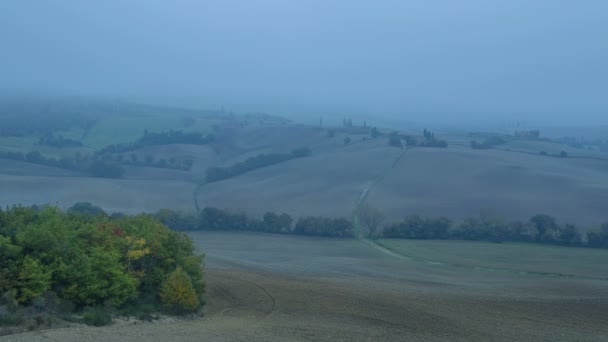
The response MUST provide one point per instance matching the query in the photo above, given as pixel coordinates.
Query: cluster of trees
(40, 124)
(429, 140)
(487, 143)
(226, 220)
(58, 141)
(215, 174)
(150, 161)
(539, 229)
(324, 226)
(562, 154)
(56, 260)
(162, 138)
(394, 139)
(78, 163)
(107, 162)
(583, 143)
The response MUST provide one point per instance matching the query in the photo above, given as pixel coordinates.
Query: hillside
(509, 181)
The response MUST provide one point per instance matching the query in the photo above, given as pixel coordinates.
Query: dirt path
(359, 233)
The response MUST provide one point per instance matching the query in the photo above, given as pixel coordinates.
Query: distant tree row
(215, 174)
(58, 141)
(225, 220)
(162, 138)
(539, 229)
(487, 143)
(148, 160)
(429, 140)
(16, 124)
(324, 226)
(89, 166)
(561, 154)
(107, 162)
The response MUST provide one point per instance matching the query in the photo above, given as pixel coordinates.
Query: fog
(443, 61)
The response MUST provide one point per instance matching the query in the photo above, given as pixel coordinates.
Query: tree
(34, 280)
(394, 140)
(372, 219)
(545, 226)
(86, 208)
(347, 140)
(274, 223)
(178, 294)
(374, 132)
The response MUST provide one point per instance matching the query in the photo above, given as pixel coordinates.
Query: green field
(106, 131)
(508, 257)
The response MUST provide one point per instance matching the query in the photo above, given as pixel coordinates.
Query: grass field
(512, 257)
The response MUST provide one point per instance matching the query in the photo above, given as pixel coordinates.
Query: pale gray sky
(423, 59)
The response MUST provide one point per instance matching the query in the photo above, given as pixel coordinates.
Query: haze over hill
(275, 170)
(465, 61)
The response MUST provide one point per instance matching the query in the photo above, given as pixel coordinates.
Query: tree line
(428, 139)
(66, 262)
(538, 229)
(58, 141)
(487, 143)
(214, 174)
(279, 223)
(161, 138)
(86, 164)
(108, 162)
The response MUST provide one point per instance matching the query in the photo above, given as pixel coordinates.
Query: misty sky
(421, 59)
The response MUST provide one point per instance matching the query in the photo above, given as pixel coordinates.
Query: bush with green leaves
(90, 261)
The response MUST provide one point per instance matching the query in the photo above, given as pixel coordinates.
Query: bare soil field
(458, 182)
(327, 183)
(282, 288)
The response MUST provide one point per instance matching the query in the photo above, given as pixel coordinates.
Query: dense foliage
(80, 261)
(219, 219)
(539, 229)
(162, 138)
(215, 174)
(487, 143)
(90, 166)
(323, 226)
(107, 163)
(58, 141)
(20, 122)
(429, 140)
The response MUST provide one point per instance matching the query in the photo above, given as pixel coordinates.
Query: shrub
(96, 316)
(178, 294)
(86, 208)
(322, 226)
(215, 174)
(394, 140)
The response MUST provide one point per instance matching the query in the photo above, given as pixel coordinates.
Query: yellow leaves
(137, 253)
(177, 293)
(136, 249)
